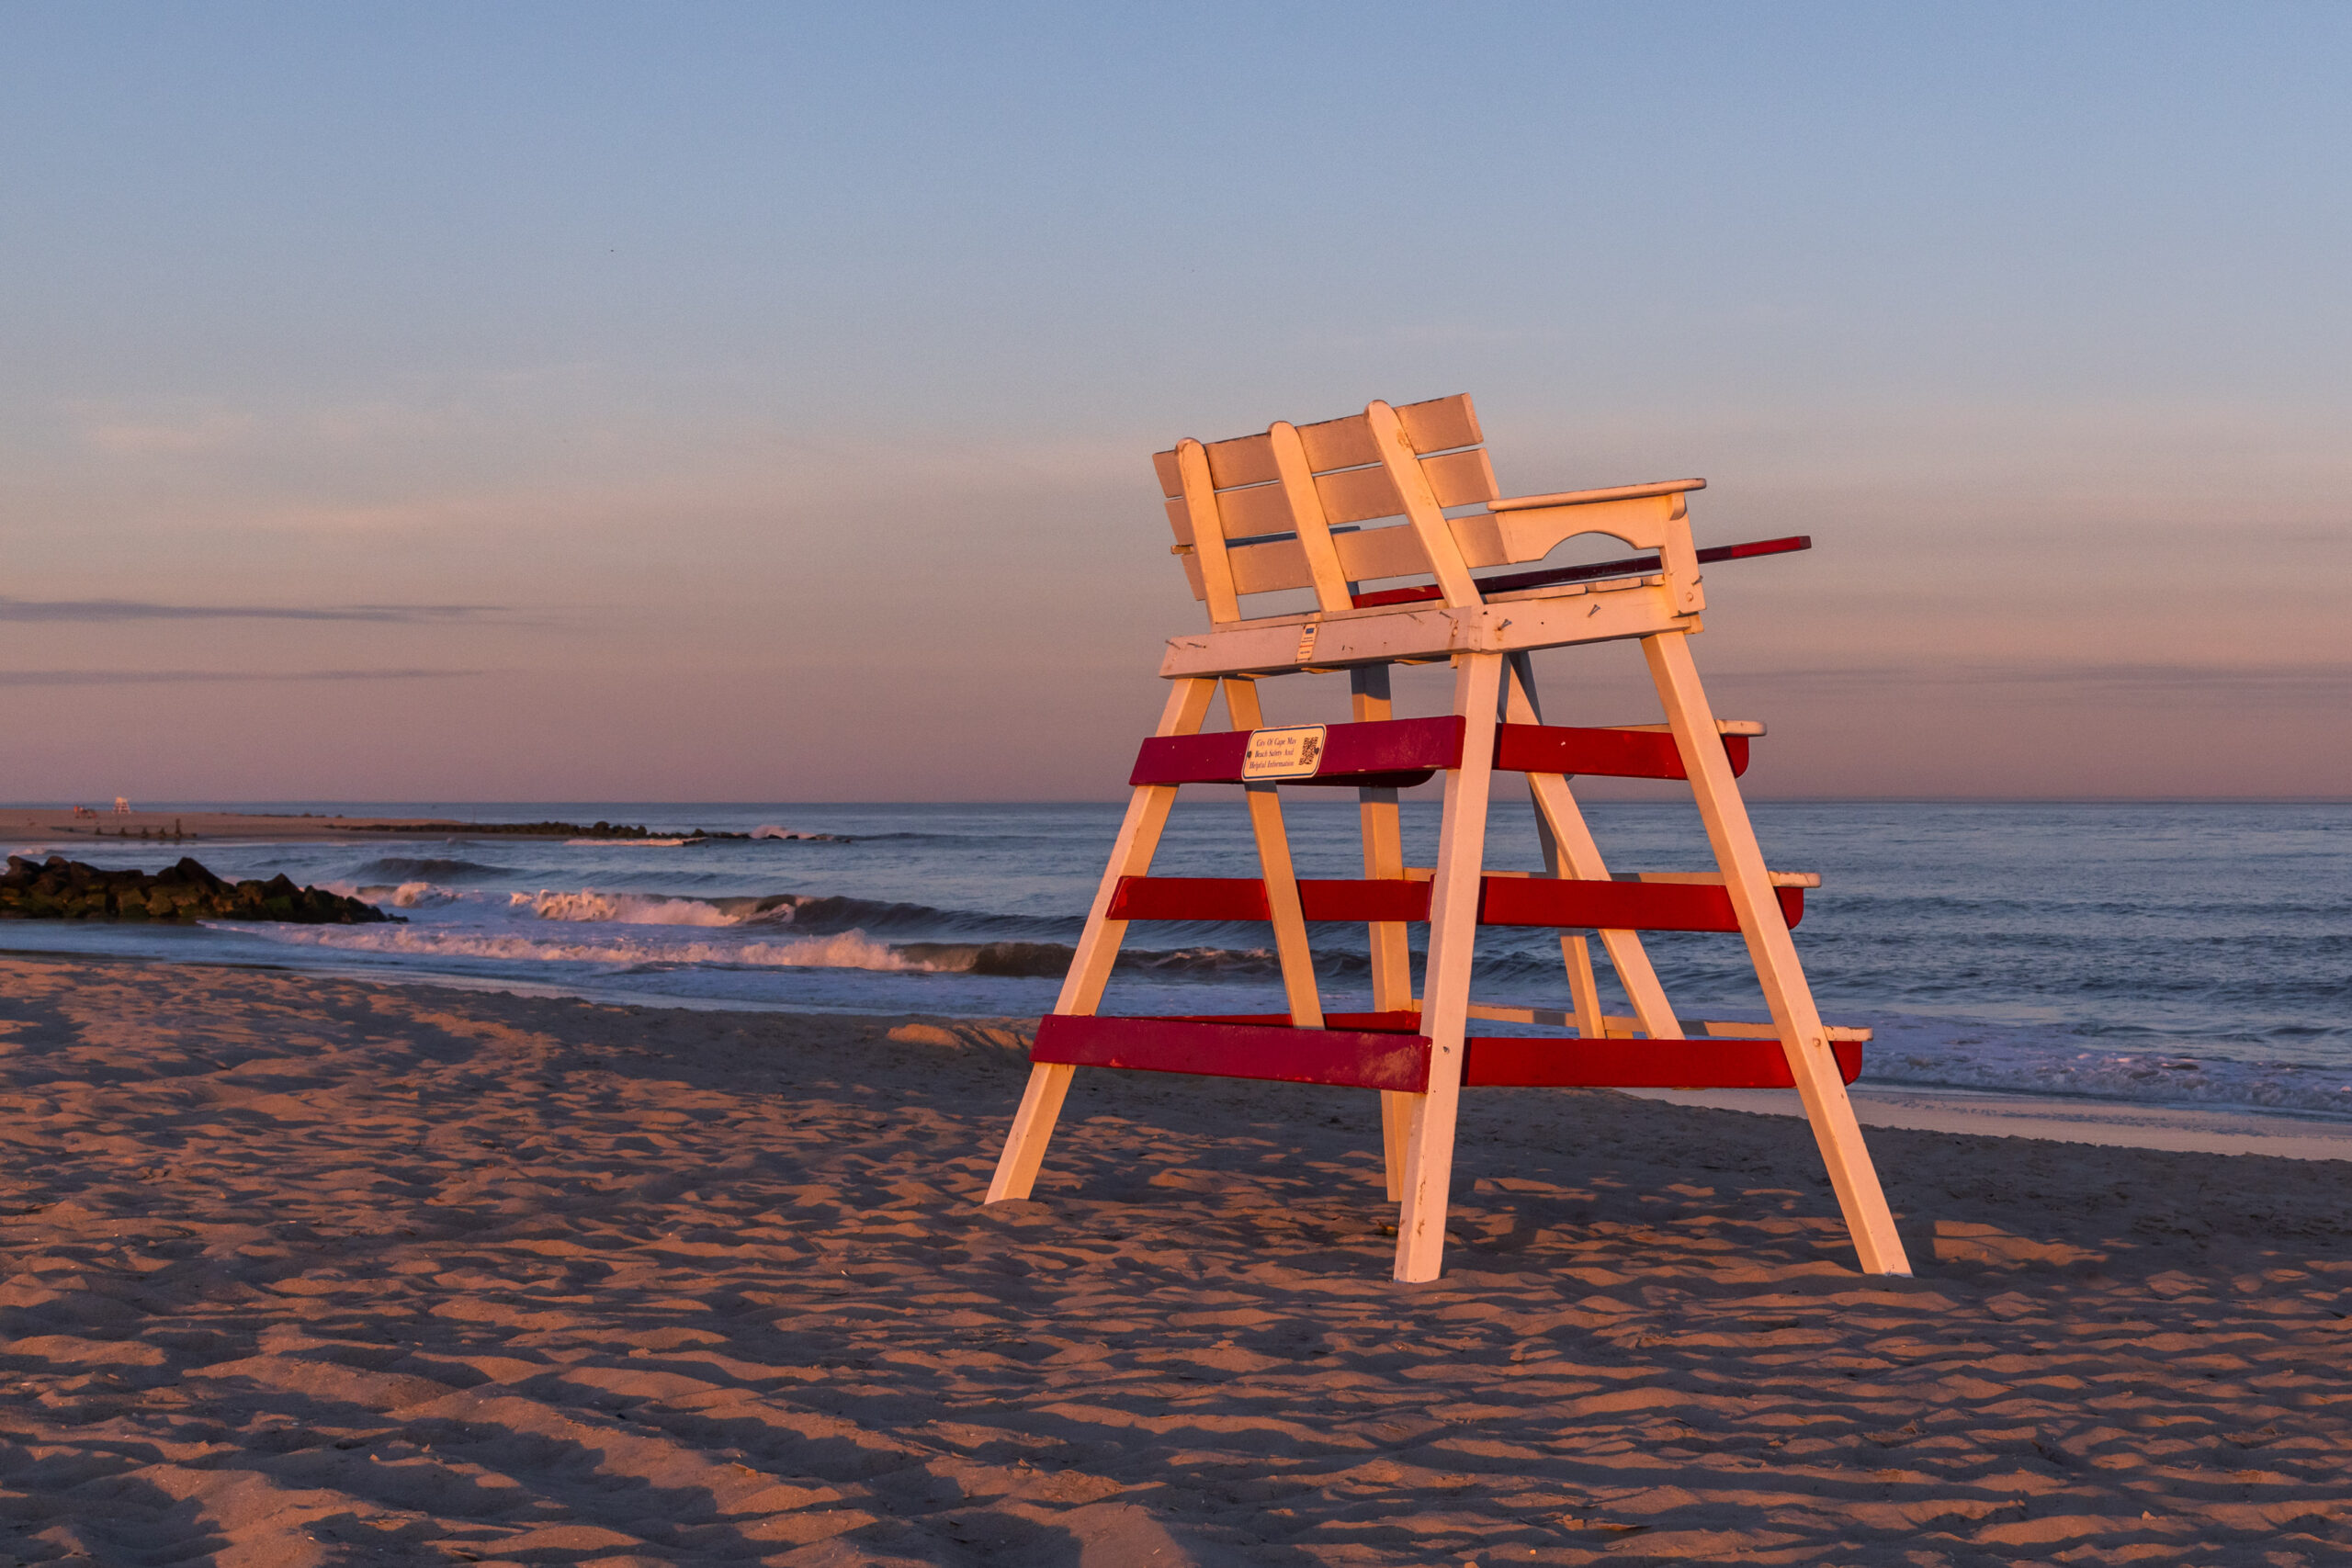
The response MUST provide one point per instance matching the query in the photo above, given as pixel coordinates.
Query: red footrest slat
(1509, 1062)
(1379, 1051)
(1346, 1058)
(1503, 901)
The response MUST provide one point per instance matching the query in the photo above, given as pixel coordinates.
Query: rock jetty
(614, 830)
(61, 889)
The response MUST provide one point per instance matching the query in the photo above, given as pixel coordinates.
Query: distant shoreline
(197, 827)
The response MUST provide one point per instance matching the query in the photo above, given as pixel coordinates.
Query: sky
(533, 402)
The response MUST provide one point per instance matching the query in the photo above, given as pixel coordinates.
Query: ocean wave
(824, 912)
(402, 896)
(846, 950)
(403, 868)
(624, 909)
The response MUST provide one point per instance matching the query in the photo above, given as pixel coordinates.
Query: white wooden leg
(1392, 956)
(1098, 946)
(1774, 953)
(1291, 951)
(1567, 839)
(1445, 991)
(1033, 1128)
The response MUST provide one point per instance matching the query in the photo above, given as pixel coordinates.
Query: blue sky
(755, 401)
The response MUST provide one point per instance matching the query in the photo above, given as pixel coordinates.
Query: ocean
(2197, 954)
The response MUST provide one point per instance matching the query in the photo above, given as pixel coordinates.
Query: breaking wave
(406, 895)
(625, 909)
(848, 950)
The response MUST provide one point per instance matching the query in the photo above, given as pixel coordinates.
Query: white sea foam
(404, 895)
(625, 908)
(846, 950)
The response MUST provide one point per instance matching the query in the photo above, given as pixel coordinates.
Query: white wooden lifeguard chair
(1287, 510)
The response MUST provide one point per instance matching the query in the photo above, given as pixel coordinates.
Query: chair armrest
(1586, 497)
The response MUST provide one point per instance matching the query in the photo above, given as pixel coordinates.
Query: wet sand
(306, 1271)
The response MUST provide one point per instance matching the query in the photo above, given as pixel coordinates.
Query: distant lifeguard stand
(1287, 510)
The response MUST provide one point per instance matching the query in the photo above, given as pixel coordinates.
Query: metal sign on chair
(1409, 492)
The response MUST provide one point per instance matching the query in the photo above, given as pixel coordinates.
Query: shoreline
(2108, 1124)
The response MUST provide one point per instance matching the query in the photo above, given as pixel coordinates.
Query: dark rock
(61, 889)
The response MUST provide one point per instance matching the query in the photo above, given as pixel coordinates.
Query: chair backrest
(1259, 514)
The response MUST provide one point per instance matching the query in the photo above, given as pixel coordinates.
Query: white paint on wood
(1421, 506)
(1445, 998)
(1275, 865)
(1305, 508)
(1773, 952)
(1631, 608)
(1098, 946)
(1392, 959)
(1569, 837)
(1589, 497)
(1208, 539)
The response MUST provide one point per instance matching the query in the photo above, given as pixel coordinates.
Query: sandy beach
(307, 1270)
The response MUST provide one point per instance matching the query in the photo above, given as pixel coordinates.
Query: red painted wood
(1633, 565)
(1504, 1061)
(1346, 1058)
(1244, 898)
(1397, 753)
(1503, 901)
(1617, 906)
(1606, 753)
(1190, 899)
(1405, 752)
(1384, 899)
(1360, 1053)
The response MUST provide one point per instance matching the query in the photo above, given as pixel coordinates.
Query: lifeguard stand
(1287, 510)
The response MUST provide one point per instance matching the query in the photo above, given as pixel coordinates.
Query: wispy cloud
(88, 610)
(203, 676)
(2055, 677)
